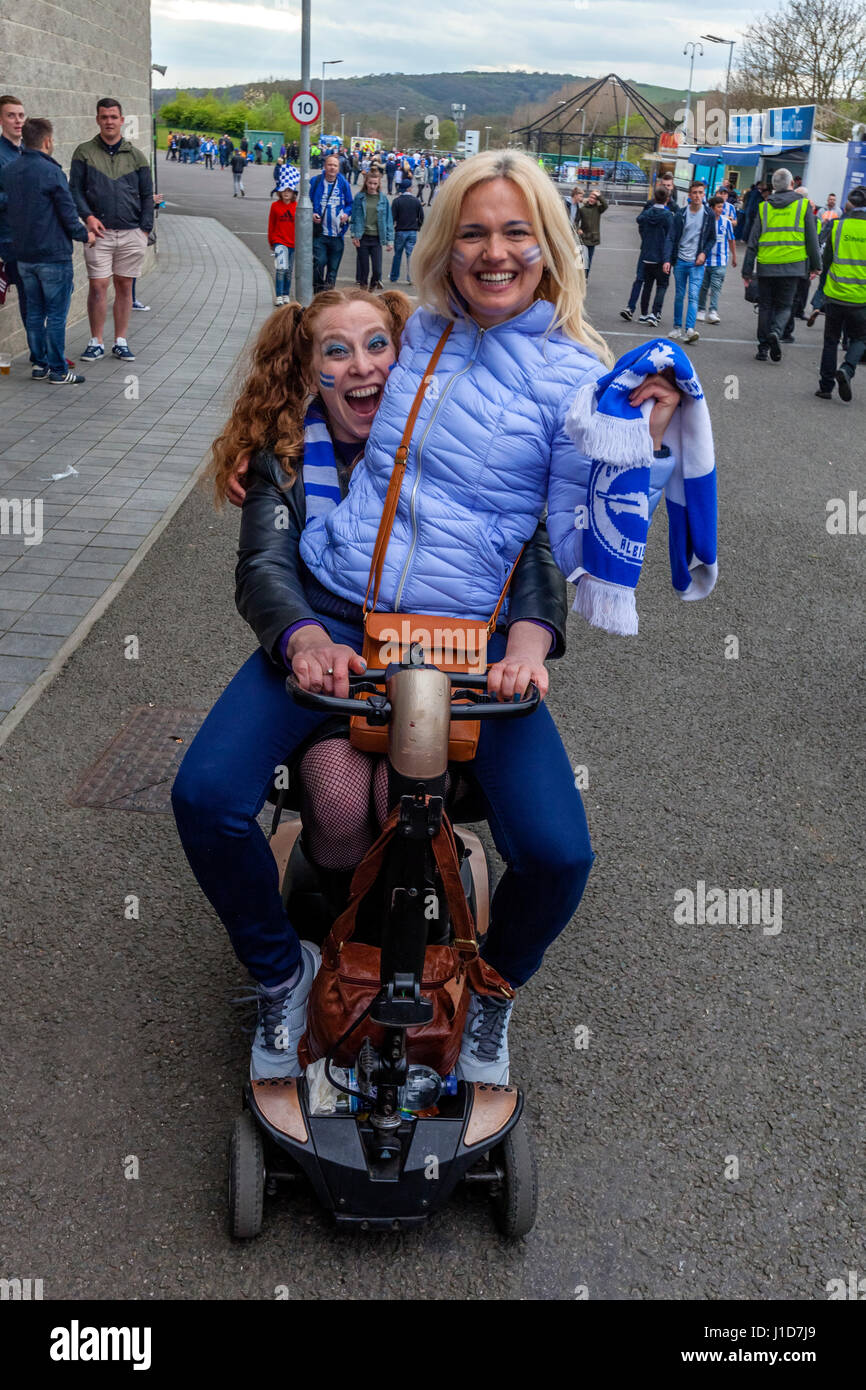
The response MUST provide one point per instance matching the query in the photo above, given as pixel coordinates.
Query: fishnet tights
(344, 802)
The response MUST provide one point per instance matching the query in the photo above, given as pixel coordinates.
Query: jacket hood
(783, 198)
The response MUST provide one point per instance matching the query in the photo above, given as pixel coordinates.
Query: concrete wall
(60, 58)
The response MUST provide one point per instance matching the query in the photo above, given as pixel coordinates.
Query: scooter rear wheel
(515, 1204)
(246, 1178)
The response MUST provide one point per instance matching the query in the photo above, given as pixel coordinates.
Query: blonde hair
(563, 282)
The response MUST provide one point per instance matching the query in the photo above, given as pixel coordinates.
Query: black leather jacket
(274, 588)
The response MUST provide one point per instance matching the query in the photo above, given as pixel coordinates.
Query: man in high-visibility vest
(844, 286)
(783, 248)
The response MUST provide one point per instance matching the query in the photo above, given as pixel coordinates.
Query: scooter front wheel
(246, 1178)
(515, 1204)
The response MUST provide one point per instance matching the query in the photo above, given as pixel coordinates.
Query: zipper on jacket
(412, 495)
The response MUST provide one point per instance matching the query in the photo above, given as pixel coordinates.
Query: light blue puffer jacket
(488, 452)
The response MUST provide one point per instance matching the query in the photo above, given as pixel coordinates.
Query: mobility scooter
(383, 1138)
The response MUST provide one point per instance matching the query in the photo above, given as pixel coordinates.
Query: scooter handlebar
(472, 702)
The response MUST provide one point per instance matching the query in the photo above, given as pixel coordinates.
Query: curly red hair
(270, 408)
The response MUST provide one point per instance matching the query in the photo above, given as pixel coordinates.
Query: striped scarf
(321, 481)
(615, 435)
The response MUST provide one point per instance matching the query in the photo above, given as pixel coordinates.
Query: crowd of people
(107, 204)
(789, 243)
(376, 198)
(188, 147)
(386, 213)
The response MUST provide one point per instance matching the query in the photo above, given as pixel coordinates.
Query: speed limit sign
(306, 108)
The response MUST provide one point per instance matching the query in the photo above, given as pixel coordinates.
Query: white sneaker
(692, 336)
(484, 1049)
(675, 333)
(282, 1020)
(702, 314)
(278, 299)
(712, 317)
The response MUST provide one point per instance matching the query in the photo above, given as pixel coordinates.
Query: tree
(808, 51)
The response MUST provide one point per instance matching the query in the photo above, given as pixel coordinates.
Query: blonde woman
(495, 270)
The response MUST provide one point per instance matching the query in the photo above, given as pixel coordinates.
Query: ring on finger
(330, 670)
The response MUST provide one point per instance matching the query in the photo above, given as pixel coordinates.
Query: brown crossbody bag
(452, 644)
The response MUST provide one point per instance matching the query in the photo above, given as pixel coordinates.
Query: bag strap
(444, 848)
(392, 496)
(491, 626)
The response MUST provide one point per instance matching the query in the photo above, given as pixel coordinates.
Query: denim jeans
(327, 255)
(403, 241)
(238, 182)
(714, 278)
(535, 814)
(48, 286)
(687, 278)
(13, 278)
(284, 259)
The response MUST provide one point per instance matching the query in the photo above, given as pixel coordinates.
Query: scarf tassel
(609, 606)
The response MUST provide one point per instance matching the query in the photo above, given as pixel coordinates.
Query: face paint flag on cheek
(326, 380)
(458, 257)
(531, 256)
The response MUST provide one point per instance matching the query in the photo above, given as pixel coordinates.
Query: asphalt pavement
(707, 1142)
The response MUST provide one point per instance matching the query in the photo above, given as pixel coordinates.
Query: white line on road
(745, 342)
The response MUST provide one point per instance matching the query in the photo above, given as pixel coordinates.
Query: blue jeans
(284, 259)
(48, 286)
(403, 241)
(535, 814)
(687, 278)
(327, 255)
(714, 278)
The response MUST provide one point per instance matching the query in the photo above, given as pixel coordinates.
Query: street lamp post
(488, 129)
(154, 67)
(304, 212)
(397, 127)
(328, 63)
(714, 38)
(690, 45)
(342, 127)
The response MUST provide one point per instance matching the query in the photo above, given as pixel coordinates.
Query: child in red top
(281, 232)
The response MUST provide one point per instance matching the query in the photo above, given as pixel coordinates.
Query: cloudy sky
(205, 42)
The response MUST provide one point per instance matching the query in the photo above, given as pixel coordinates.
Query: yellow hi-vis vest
(846, 278)
(783, 236)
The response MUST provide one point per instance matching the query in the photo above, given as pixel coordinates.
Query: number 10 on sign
(306, 108)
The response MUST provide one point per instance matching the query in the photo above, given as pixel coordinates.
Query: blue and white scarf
(615, 435)
(321, 480)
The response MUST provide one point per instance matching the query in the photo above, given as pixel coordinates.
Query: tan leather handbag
(388, 636)
(349, 976)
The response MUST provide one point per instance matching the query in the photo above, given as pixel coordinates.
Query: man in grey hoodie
(783, 247)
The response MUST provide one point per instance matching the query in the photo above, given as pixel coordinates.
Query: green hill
(491, 96)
